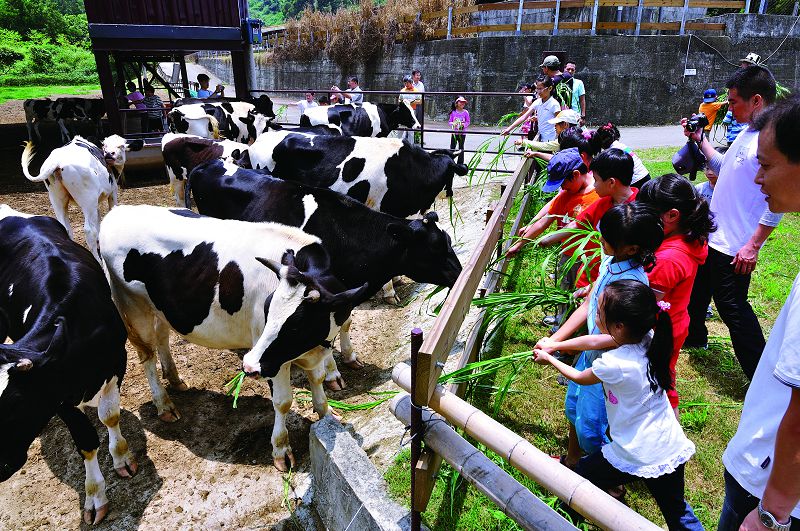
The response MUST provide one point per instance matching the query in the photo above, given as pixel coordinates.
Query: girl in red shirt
(687, 223)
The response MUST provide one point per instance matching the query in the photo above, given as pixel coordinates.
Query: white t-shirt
(705, 191)
(546, 111)
(738, 204)
(646, 438)
(419, 86)
(302, 105)
(578, 90)
(357, 98)
(750, 454)
(639, 169)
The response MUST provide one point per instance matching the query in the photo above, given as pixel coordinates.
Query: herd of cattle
(295, 228)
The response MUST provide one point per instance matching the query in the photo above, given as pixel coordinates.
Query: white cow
(82, 173)
(206, 279)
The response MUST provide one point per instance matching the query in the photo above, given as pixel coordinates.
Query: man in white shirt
(762, 461)
(743, 224)
(419, 86)
(353, 92)
(306, 103)
(578, 92)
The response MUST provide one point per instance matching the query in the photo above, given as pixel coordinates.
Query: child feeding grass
(647, 441)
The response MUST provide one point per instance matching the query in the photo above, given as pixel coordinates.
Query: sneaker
(550, 320)
(562, 380)
(709, 312)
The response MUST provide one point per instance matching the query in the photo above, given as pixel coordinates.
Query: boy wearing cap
(567, 171)
(545, 150)
(710, 107)
(562, 81)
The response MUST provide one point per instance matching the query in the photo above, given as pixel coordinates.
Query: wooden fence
(428, 355)
(278, 35)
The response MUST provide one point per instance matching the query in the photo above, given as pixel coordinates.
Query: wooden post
(594, 17)
(416, 431)
(683, 16)
(240, 82)
(556, 17)
(519, 19)
(184, 77)
(109, 95)
(639, 17)
(450, 21)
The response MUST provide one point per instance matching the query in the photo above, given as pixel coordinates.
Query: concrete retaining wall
(629, 80)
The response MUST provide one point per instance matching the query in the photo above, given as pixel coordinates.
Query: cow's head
(192, 119)
(305, 311)
(115, 149)
(429, 254)
(263, 105)
(256, 124)
(447, 157)
(27, 378)
(402, 114)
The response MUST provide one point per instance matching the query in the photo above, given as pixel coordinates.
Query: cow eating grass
(68, 349)
(223, 284)
(82, 173)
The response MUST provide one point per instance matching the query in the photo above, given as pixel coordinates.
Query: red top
(592, 215)
(569, 206)
(676, 266)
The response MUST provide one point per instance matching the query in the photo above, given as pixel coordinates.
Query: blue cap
(709, 95)
(561, 167)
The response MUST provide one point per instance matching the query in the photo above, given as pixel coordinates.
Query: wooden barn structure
(131, 37)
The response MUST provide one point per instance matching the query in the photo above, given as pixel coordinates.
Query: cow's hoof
(354, 364)
(180, 386)
(336, 385)
(129, 470)
(281, 462)
(95, 516)
(171, 415)
(333, 414)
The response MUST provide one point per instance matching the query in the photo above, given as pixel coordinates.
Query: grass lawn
(711, 385)
(23, 93)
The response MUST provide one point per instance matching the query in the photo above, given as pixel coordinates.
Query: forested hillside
(274, 12)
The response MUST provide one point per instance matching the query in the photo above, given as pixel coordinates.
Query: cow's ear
(272, 265)
(351, 297)
(399, 231)
(134, 145)
(236, 154)
(430, 217)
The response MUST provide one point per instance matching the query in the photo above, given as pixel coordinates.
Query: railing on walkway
(428, 358)
(448, 28)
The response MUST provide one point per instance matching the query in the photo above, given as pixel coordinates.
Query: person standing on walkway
(408, 93)
(459, 121)
(762, 461)
(743, 224)
(419, 111)
(578, 92)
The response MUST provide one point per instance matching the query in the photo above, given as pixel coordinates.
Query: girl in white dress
(647, 442)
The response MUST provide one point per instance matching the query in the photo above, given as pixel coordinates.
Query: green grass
(23, 93)
(710, 382)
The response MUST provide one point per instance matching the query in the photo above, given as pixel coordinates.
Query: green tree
(7, 58)
(23, 16)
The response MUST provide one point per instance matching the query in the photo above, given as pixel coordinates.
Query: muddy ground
(213, 468)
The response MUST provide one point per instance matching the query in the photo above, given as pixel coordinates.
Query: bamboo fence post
(450, 21)
(416, 431)
(762, 8)
(572, 489)
(683, 16)
(794, 9)
(519, 18)
(747, 6)
(504, 491)
(639, 17)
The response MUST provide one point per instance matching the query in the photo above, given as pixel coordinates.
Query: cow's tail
(214, 126)
(48, 167)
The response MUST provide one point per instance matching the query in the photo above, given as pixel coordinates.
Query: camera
(697, 121)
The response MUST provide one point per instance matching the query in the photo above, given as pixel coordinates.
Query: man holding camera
(743, 224)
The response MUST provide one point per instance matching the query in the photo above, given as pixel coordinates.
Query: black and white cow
(367, 119)
(59, 111)
(239, 121)
(82, 173)
(210, 281)
(183, 152)
(416, 248)
(386, 174)
(68, 349)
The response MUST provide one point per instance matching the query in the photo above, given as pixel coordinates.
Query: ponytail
(604, 136)
(634, 224)
(673, 191)
(633, 304)
(660, 351)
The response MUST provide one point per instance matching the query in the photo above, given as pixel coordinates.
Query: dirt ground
(213, 468)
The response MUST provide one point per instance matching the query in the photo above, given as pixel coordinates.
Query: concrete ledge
(349, 493)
